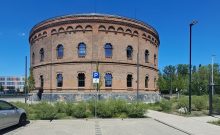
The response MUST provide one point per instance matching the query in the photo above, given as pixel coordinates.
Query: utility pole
(212, 83)
(25, 88)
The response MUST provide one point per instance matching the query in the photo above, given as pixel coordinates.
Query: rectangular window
(59, 80)
(129, 84)
(2, 83)
(81, 80)
(129, 80)
(10, 83)
(41, 81)
(81, 83)
(108, 80)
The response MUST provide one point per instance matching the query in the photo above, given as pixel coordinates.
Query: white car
(11, 115)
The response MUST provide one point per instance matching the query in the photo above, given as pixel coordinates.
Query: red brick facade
(94, 30)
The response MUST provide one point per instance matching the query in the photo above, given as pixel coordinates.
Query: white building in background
(12, 83)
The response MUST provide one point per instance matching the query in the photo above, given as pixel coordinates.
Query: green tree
(182, 69)
(173, 77)
(181, 83)
(200, 80)
(162, 83)
(169, 74)
(31, 81)
(1, 88)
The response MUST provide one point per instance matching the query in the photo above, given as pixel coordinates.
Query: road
(145, 126)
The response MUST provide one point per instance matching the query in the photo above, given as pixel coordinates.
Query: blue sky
(171, 18)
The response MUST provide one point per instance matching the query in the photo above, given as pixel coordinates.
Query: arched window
(108, 50)
(146, 56)
(41, 54)
(146, 81)
(41, 81)
(155, 82)
(155, 58)
(129, 52)
(60, 51)
(108, 80)
(82, 50)
(81, 80)
(129, 80)
(33, 58)
(59, 80)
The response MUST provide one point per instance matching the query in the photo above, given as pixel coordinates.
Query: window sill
(129, 88)
(81, 56)
(146, 89)
(59, 88)
(81, 88)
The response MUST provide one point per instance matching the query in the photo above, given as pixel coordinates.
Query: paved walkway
(146, 126)
(190, 125)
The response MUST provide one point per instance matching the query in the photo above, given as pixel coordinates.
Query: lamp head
(193, 22)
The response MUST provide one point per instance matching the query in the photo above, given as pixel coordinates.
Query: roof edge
(94, 14)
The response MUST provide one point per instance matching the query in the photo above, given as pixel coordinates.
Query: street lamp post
(190, 61)
(25, 88)
(212, 83)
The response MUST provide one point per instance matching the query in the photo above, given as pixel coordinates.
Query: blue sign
(95, 74)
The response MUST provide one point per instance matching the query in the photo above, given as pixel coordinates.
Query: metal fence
(214, 99)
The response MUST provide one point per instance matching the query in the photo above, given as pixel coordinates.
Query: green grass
(217, 122)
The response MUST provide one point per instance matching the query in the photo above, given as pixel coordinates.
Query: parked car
(11, 115)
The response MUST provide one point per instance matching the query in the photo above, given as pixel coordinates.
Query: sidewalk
(189, 125)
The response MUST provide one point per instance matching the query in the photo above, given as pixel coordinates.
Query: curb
(173, 126)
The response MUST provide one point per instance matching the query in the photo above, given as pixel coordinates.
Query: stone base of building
(146, 96)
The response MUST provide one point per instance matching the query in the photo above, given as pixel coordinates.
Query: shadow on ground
(12, 128)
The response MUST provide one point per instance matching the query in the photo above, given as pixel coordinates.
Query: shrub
(91, 106)
(199, 103)
(61, 115)
(183, 102)
(216, 104)
(105, 109)
(70, 108)
(61, 107)
(136, 110)
(45, 111)
(119, 107)
(81, 110)
(121, 115)
(166, 105)
(154, 106)
(109, 108)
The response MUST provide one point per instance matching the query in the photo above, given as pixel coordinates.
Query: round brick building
(66, 50)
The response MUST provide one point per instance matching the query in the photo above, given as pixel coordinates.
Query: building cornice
(94, 62)
(72, 19)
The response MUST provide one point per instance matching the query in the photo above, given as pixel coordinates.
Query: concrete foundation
(147, 97)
